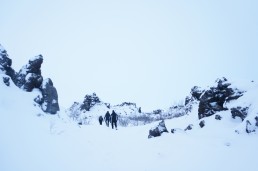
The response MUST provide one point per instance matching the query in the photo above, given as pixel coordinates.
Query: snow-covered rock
(89, 101)
(49, 101)
(234, 103)
(213, 100)
(29, 77)
(196, 92)
(6, 63)
(239, 112)
(6, 80)
(158, 130)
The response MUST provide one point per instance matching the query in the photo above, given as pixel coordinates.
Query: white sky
(148, 52)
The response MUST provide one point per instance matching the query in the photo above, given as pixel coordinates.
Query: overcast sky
(148, 52)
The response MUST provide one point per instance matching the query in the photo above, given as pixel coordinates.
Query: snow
(1, 49)
(45, 82)
(31, 140)
(54, 101)
(28, 76)
(36, 58)
(23, 70)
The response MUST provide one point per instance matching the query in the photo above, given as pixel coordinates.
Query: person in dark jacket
(100, 120)
(107, 118)
(114, 118)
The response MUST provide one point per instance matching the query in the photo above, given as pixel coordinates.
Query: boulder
(29, 76)
(212, 100)
(49, 97)
(256, 119)
(218, 117)
(189, 127)
(240, 112)
(202, 123)
(158, 130)
(6, 80)
(248, 127)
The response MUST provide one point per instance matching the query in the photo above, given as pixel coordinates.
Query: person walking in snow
(114, 118)
(100, 120)
(107, 118)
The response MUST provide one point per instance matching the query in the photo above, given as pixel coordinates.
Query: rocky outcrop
(158, 130)
(6, 63)
(29, 77)
(6, 80)
(196, 92)
(49, 101)
(89, 102)
(239, 112)
(213, 99)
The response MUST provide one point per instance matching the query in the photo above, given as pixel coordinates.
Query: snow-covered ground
(33, 141)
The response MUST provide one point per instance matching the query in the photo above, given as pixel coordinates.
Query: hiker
(107, 118)
(114, 118)
(100, 120)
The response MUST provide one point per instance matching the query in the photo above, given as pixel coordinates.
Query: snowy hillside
(32, 140)
(216, 129)
(88, 111)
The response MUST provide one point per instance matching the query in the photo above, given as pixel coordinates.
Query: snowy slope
(32, 140)
(96, 109)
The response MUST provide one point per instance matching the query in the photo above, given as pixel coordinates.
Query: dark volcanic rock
(50, 97)
(189, 127)
(39, 100)
(6, 80)
(108, 105)
(29, 76)
(196, 92)
(158, 111)
(173, 130)
(128, 104)
(202, 123)
(6, 63)
(89, 101)
(188, 100)
(213, 99)
(218, 117)
(248, 128)
(158, 130)
(240, 112)
(177, 130)
(256, 119)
